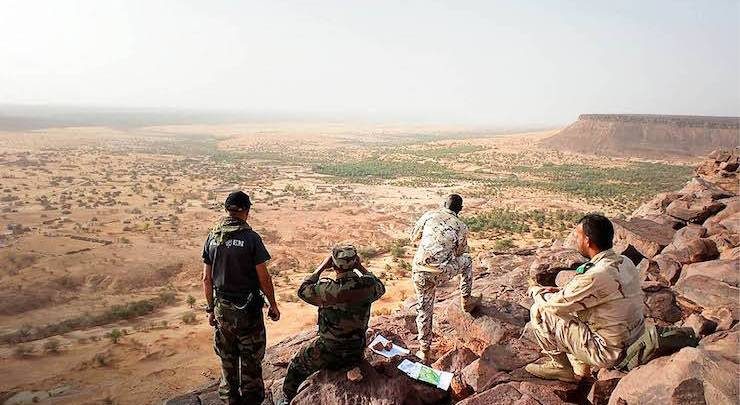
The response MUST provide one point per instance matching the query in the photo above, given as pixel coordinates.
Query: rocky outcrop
(648, 135)
(647, 236)
(707, 374)
(721, 169)
(690, 271)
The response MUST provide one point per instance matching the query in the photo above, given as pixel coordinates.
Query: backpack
(655, 342)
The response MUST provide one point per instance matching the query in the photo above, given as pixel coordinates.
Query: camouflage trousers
(239, 340)
(425, 284)
(319, 355)
(557, 334)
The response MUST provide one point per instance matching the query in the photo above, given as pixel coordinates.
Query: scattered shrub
(189, 318)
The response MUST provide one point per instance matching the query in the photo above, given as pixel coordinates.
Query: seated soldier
(344, 311)
(596, 316)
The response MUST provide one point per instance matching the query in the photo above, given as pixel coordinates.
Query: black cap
(237, 201)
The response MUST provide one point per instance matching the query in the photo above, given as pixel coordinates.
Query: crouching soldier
(344, 311)
(442, 254)
(594, 318)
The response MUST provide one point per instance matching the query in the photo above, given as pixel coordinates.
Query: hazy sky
(477, 62)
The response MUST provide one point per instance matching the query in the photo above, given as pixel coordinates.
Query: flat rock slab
(493, 322)
(648, 237)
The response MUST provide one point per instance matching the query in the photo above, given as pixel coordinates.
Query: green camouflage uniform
(441, 255)
(344, 311)
(595, 316)
(239, 340)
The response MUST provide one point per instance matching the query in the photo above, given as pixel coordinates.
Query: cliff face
(647, 135)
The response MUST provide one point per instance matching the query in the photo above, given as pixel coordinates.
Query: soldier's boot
(557, 368)
(282, 401)
(580, 369)
(425, 354)
(471, 302)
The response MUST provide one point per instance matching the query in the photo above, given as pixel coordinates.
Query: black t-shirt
(235, 260)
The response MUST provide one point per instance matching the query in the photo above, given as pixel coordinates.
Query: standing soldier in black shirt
(234, 273)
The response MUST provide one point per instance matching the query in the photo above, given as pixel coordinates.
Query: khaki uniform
(441, 255)
(596, 316)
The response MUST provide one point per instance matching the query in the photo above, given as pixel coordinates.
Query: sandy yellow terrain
(102, 232)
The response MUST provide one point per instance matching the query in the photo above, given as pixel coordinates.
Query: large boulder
(455, 361)
(668, 269)
(334, 388)
(548, 263)
(722, 168)
(496, 362)
(691, 251)
(530, 392)
(688, 246)
(646, 236)
(500, 394)
(707, 374)
(656, 206)
(728, 216)
(495, 321)
(602, 388)
(711, 284)
(691, 208)
(725, 242)
(629, 251)
(701, 187)
(701, 325)
(660, 304)
(686, 234)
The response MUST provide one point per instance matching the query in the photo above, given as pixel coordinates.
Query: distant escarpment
(651, 136)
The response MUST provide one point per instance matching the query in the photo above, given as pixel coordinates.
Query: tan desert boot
(470, 303)
(557, 368)
(580, 369)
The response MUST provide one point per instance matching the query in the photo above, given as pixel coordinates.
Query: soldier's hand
(274, 313)
(326, 264)
(212, 319)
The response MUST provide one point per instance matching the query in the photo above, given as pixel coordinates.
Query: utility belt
(251, 300)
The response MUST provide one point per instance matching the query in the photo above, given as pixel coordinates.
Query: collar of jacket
(449, 211)
(601, 255)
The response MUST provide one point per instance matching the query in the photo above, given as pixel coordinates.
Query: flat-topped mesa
(643, 135)
(696, 121)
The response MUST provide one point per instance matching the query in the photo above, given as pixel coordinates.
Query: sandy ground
(95, 217)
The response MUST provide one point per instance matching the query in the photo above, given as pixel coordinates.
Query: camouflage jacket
(442, 236)
(344, 306)
(607, 297)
